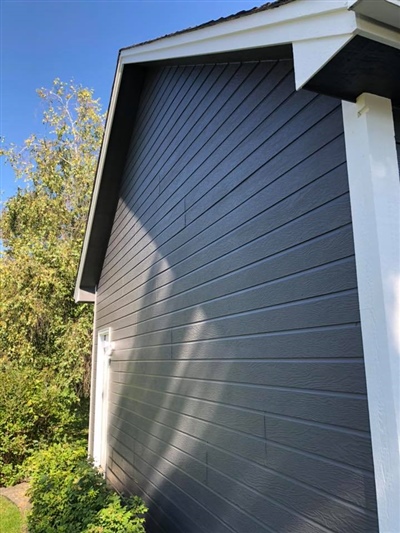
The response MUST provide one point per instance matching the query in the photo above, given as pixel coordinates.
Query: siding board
(301, 374)
(228, 254)
(295, 178)
(322, 280)
(291, 262)
(237, 395)
(266, 205)
(278, 401)
(315, 505)
(253, 161)
(220, 111)
(396, 119)
(315, 471)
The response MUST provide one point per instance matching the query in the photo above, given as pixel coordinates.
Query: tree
(42, 228)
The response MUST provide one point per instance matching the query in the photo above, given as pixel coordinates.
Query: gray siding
(238, 400)
(396, 117)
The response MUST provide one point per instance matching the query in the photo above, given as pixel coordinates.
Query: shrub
(118, 517)
(69, 495)
(36, 407)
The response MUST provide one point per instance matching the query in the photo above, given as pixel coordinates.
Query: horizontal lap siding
(238, 400)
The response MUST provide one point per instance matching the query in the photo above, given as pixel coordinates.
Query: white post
(93, 382)
(375, 204)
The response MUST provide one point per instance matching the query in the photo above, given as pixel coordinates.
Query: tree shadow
(237, 398)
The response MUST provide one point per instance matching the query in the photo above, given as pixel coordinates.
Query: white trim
(287, 24)
(92, 381)
(83, 296)
(377, 32)
(311, 56)
(375, 200)
(381, 11)
(317, 30)
(101, 398)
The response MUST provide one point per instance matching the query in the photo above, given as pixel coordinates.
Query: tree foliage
(36, 407)
(42, 228)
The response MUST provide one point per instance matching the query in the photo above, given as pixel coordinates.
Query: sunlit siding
(238, 400)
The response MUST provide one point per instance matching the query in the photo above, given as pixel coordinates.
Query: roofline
(317, 31)
(265, 7)
(295, 21)
(83, 295)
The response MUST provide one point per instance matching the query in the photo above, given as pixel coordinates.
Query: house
(242, 254)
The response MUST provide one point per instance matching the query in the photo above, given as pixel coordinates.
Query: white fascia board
(377, 32)
(313, 54)
(79, 294)
(374, 185)
(303, 19)
(83, 296)
(382, 11)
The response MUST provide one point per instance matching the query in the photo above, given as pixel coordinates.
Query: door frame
(103, 359)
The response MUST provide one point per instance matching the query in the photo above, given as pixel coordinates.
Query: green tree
(42, 228)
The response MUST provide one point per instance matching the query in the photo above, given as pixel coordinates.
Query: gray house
(242, 254)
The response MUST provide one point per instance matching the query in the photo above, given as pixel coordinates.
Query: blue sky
(79, 40)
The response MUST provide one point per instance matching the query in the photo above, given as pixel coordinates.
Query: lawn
(10, 517)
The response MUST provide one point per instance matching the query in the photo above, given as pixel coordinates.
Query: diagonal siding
(238, 399)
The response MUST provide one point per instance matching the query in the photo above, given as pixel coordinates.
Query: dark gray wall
(238, 400)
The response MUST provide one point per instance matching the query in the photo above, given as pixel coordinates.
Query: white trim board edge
(375, 205)
(92, 382)
(103, 354)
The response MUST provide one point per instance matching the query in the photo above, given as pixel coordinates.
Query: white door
(101, 399)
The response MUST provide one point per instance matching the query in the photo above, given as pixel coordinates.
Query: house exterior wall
(396, 119)
(238, 398)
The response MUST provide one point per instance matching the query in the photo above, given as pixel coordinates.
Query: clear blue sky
(79, 40)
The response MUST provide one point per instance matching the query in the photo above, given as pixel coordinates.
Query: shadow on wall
(238, 399)
(191, 413)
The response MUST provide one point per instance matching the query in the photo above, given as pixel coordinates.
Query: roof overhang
(310, 32)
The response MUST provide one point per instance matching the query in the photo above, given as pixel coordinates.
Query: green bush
(36, 407)
(69, 495)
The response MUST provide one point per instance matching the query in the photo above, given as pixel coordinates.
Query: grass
(10, 517)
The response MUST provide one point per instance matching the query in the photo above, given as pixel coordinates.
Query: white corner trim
(310, 56)
(375, 205)
(92, 381)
